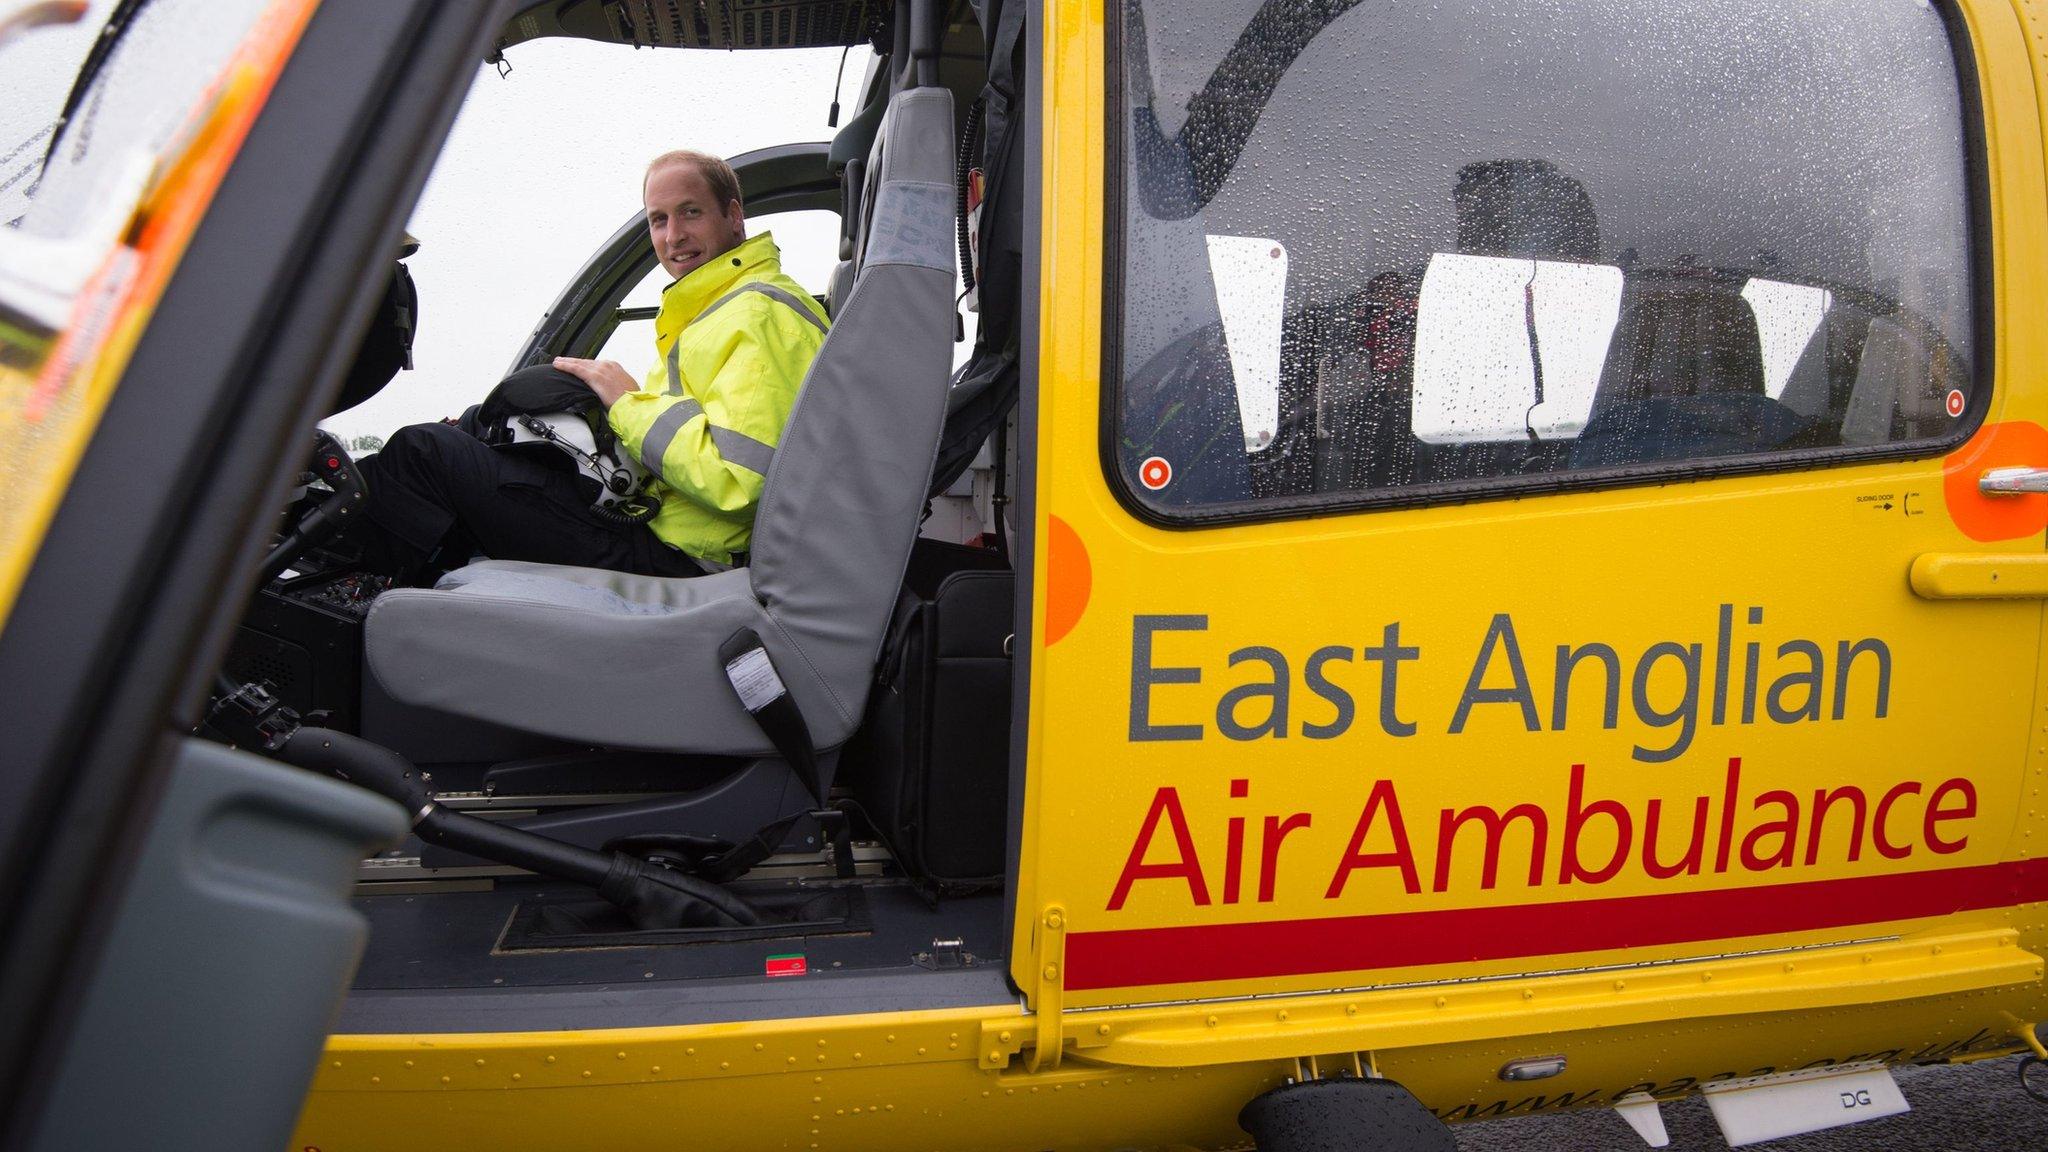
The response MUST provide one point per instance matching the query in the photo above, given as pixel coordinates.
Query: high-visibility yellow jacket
(735, 338)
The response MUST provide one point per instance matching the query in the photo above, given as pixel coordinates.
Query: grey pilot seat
(566, 657)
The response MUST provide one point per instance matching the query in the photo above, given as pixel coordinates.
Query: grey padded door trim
(226, 962)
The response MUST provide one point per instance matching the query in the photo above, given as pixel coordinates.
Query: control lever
(251, 717)
(331, 463)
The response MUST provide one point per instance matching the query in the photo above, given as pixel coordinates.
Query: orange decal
(45, 436)
(2018, 443)
(1068, 579)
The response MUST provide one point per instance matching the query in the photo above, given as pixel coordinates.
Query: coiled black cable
(635, 510)
(963, 167)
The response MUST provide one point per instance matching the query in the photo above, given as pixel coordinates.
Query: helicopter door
(178, 934)
(1638, 566)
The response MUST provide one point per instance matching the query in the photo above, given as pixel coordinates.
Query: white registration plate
(1787, 1104)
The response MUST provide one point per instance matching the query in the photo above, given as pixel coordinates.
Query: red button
(333, 463)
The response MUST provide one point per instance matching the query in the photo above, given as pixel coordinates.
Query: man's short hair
(724, 183)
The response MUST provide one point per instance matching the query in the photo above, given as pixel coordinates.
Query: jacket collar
(684, 300)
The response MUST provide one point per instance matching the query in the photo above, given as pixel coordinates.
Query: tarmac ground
(1976, 1107)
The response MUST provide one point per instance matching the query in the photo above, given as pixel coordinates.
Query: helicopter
(1491, 564)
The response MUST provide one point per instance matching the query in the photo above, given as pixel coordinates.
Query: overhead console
(699, 24)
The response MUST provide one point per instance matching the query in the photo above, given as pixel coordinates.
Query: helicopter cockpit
(617, 729)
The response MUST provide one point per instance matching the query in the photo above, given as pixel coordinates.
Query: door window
(1416, 251)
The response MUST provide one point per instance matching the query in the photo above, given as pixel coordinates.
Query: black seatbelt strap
(762, 693)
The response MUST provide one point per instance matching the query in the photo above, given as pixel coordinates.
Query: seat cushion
(598, 589)
(536, 588)
(582, 654)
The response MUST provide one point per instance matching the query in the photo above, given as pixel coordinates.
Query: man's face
(685, 223)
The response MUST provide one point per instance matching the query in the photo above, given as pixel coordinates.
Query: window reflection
(1251, 294)
(1517, 238)
(1485, 324)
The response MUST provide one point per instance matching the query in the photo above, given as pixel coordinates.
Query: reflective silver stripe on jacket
(663, 431)
(769, 290)
(742, 449)
(737, 447)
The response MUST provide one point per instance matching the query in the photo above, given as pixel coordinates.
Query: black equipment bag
(931, 763)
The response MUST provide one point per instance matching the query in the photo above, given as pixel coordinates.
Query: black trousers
(438, 495)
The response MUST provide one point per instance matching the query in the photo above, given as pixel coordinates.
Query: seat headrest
(915, 142)
(913, 153)
(1524, 208)
(857, 139)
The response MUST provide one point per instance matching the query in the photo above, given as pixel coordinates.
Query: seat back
(853, 189)
(842, 500)
(1692, 340)
(1684, 378)
(838, 288)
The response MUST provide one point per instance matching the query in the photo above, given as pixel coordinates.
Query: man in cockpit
(734, 338)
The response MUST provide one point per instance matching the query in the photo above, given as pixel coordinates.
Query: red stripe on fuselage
(1132, 957)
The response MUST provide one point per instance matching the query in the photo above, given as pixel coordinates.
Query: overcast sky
(541, 167)
(544, 164)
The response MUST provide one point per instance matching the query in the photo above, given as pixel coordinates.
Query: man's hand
(604, 377)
